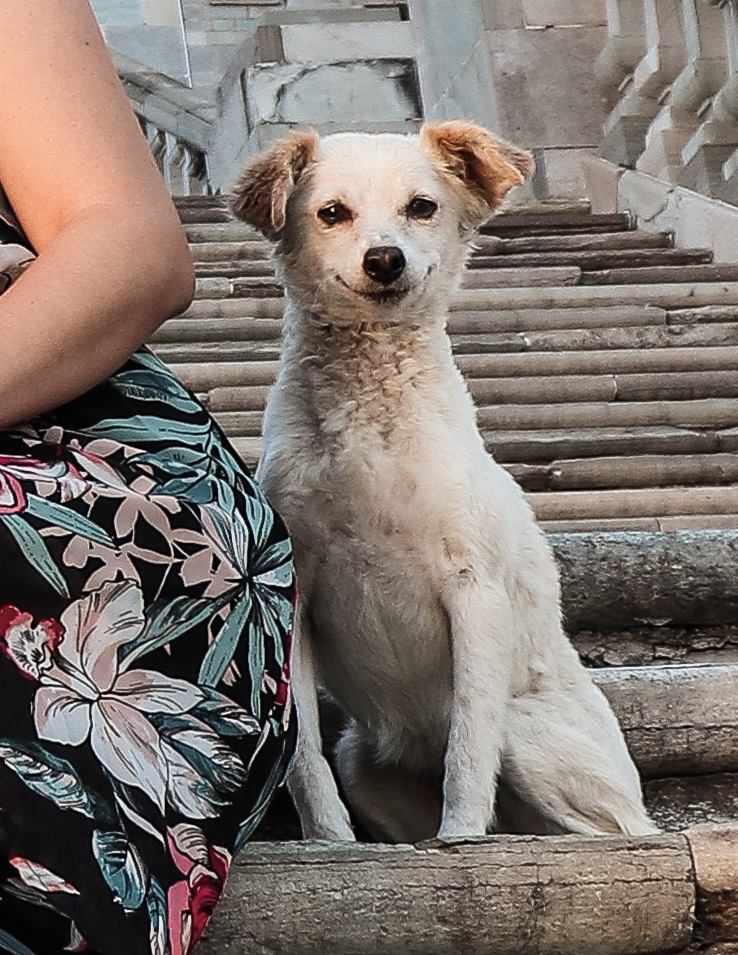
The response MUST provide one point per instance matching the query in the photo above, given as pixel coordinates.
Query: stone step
(613, 361)
(231, 251)
(589, 260)
(573, 242)
(514, 434)
(524, 223)
(545, 446)
(661, 274)
(719, 414)
(212, 347)
(663, 386)
(234, 232)
(677, 295)
(666, 295)
(203, 376)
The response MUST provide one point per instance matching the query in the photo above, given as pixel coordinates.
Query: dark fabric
(146, 604)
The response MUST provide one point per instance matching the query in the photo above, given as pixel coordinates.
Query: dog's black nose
(384, 263)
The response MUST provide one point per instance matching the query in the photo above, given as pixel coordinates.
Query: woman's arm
(113, 260)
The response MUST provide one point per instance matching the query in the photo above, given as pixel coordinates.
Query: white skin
(113, 260)
(429, 597)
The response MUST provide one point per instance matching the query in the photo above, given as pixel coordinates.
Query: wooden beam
(502, 895)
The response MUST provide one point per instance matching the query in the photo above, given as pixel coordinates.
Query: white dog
(429, 598)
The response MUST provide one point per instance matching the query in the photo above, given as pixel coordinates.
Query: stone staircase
(604, 361)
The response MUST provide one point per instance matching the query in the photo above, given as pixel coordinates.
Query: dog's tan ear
(261, 192)
(487, 166)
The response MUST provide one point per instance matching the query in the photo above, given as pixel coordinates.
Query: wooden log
(641, 471)
(715, 853)
(505, 895)
(676, 522)
(640, 502)
(677, 720)
(612, 581)
(642, 645)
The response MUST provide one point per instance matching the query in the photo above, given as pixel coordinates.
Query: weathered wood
(645, 646)
(676, 719)
(501, 896)
(611, 581)
(634, 502)
(715, 855)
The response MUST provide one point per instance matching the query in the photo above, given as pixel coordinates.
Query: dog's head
(377, 226)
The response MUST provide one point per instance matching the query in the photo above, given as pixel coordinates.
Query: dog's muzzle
(384, 263)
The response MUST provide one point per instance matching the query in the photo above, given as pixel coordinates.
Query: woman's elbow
(173, 287)
(181, 281)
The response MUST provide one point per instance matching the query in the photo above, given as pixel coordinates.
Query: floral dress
(146, 600)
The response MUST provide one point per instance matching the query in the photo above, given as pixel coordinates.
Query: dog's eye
(334, 213)
(421, 208)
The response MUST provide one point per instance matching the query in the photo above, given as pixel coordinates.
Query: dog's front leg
(311, 782)
(481, 645)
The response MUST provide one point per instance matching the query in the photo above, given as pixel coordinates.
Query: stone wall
(523, 67)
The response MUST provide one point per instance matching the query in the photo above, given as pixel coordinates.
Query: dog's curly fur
(429, 596)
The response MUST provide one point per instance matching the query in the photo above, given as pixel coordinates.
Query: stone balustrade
(176, 122)
(675, 109)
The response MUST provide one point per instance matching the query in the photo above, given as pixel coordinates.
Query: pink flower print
(39, 878)
(60, 474)
(88, 696)
(192, 901)
(27, 645)
(12, 497)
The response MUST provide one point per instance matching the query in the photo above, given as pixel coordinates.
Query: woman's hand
(113, 260)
